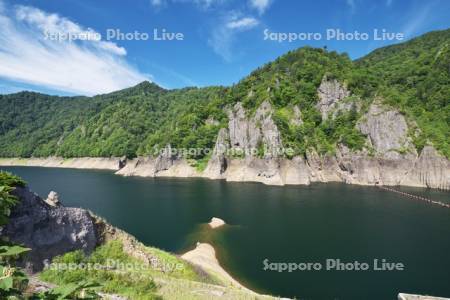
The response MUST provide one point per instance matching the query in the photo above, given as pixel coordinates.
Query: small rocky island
(216, 222)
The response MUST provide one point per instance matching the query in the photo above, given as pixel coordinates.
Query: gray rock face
(217, 165)
(331, 92)
(390, 157)
(387, 131)
(238, 127)
(431, 170)
(268, 130)
(150, 166)
(49, 231)
(53, 199)
(322, 168)
(122, 162)
(358, 167)
(255, 169)
(394, 160)
(249, 134)
(295, 171)
(297, 119)
(165, 160)
(428, 170)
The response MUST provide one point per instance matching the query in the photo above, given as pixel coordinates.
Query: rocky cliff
(250, 148)
(389, 157)
(48, 230)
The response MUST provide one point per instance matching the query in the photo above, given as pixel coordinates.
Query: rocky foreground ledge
(50, 230)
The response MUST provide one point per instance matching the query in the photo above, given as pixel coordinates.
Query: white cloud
(224, 35)
(52, 23)
(203, 4)
(85, 67)
(244, 23)
(260, 5)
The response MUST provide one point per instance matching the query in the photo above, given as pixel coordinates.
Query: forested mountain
(413, 77)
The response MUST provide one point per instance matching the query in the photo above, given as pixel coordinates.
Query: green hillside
(413, 77)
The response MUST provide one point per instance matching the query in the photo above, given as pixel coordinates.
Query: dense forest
(413, 77)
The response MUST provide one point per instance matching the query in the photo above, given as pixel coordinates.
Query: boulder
(216, 222)
(48, 230)
(53, 199)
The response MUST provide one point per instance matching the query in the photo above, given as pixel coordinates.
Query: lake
(292, 224)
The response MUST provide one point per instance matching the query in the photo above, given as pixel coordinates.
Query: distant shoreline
(142, 167)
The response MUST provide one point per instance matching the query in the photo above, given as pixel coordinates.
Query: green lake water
(298, 224)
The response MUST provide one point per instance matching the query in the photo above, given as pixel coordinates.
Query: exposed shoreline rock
(428, 170)
(216, 223)
(389, 157)
(98, 163)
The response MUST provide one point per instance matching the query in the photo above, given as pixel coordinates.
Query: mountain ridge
(144, 118)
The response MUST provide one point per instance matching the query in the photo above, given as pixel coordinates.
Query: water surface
(281, 224)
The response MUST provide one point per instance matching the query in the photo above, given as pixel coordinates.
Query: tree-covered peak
(292, 78)
(148, 86)
(412, 77)
(144, 88)
(413, 48)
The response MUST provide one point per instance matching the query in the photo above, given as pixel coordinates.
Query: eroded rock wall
(388, 158)
(48, 230)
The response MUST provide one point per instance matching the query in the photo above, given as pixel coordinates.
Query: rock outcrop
(251, 134)
(249, 150)
(217, 165)
(48, 230)
(297, 118)
(216, 223)
(295, 171)
(430, 170)
(255, 169)
(53, 199)
(331, 93)
(240, 129)
(167, 164)
(387, 131)
(268, 136)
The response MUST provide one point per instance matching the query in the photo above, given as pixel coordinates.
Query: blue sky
(223, 40)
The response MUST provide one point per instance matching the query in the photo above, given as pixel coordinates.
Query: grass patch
(201, 163)
(129, 283)
(119, 273)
